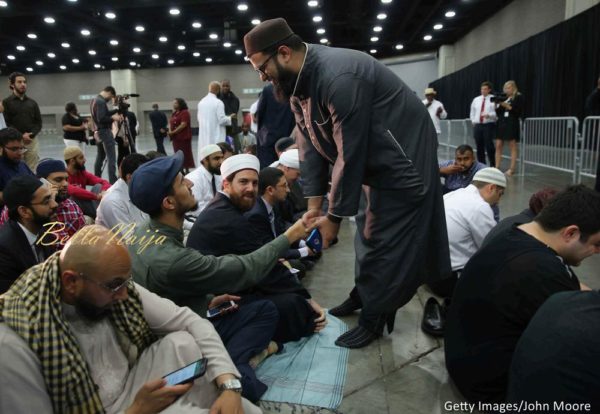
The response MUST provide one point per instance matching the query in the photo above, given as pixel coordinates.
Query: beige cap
(71, 152)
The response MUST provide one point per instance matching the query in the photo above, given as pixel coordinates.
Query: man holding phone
(102, 343)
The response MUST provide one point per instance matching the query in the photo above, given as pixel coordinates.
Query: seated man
(282, 145)
(469, 219)
(244, 138)
(459, 172)
(295, 205)
(30, 206)
(68, 217)
(189, 278)
(222, 229)
(206, 178)
(556, 359)
(505, 283)
(79, 178)
(116, 211)
(11, 157)
(78, 336)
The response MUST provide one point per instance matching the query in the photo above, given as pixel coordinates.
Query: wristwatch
(231, 385)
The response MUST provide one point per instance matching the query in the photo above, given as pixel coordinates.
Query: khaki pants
(32, 156)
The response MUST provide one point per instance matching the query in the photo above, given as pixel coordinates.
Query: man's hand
(451, 169)
(321, 321)
(229, 402)
(310, 217)
(297, 231)
(27, 138)
(217, 300)
(100, 195)
(155, 396)
(117, 117)
(329, 230)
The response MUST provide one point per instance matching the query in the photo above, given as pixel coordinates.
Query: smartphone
(216, 311)
(187, 373)
(315, 241)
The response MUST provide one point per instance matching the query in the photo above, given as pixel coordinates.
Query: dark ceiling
(347, 23)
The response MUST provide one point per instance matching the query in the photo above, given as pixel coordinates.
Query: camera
(122, 104)
(498, 97)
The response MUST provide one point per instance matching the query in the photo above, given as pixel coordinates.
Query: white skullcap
(290, 158)
(239, 162)
(490, 175)
(209, 150)
(274, 164)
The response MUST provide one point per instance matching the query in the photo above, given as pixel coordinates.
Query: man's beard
(91, 312)
(241, 202)
(61, 196)
(285, 85)
(7, 159)
(40, 220)
(80, 167)
(214, 170)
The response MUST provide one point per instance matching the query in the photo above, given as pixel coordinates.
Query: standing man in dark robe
(356, 115)
(232, 106)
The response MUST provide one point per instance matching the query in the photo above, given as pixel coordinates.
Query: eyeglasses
(261, 68)
(22, 150)
(46, 202)
(113, 287)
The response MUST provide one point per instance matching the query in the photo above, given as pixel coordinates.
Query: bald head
(94, 250)
(214, 87)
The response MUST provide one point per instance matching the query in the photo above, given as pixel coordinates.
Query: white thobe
(211, 121)
(202, 189)
(432, 109)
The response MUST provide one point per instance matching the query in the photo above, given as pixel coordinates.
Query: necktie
(214, 185)
(481, 112)
(272, 221)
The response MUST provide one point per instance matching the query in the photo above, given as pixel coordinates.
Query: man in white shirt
(206, 178)
(102, 343)
(211, 118)
(253, 110)
(469, 218)
(116, 211)
(483, 116)
(435, 108)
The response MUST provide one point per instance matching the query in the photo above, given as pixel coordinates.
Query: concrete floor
(403, 372)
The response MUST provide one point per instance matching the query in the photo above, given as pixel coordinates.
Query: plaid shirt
(68, 213)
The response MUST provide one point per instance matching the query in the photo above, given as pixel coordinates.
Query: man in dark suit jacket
(30, 205)
(160, 125)
(222, 229)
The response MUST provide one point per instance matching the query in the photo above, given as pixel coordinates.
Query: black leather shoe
(346, 308)
(433, 318)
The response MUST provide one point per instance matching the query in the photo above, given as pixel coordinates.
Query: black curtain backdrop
(555, 71)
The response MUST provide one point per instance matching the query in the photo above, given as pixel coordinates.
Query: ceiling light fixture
(321, 31)
(313, 3)
(62, 67)
(114, 59)
(374, 39)
(136, 50)
(238, 51)
(51, 55)
(227, 44)
(132, 63)
(242, 7)
(85, 32)
(97, 65)
(377, 29)
(450, 13)
(114, 42)
(386, 1)
(373, 50)
(163, 39)
(213, 36)
(32, 35)
(92, 52)
(174, 12)
(11, 57)
(196, 25)
(75, 60)
(3, 3)
(154, 56)
(181, 47)
(39, 63)
(196, 54)
(324, 40)
(255, 22)
(65, 45)
(139, 28)
(49, 20)
(170, 61)
(110, 15)
(438, 26)
(381, 16)
(427, 37)
(20, 48)
(317, 19)
(28, 69)
(208, 60)
(399, 46)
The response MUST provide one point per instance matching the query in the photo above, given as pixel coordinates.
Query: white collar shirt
(469, 218)
(31, 239)
(432, 109)
(489, 110)
(202, 189)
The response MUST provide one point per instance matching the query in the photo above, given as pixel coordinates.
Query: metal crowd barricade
(454, 132)
(551, 143)
(590, 147)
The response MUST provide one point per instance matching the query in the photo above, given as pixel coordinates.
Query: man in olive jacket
(162, 264)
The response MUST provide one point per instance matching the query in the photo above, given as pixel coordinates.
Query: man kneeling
(77, 335)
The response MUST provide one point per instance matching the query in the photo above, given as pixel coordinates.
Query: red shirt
(176, 119)
(81, 179)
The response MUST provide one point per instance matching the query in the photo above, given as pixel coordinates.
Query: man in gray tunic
(357, 116)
